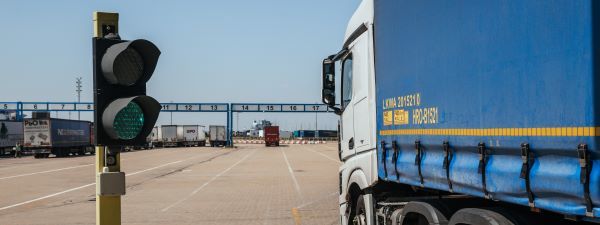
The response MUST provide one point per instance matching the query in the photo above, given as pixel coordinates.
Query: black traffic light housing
(121, 70)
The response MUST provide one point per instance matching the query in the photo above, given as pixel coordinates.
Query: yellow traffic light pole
(105, 23)
(108, 208)
(124, 113)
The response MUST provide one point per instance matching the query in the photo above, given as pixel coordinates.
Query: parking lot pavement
(250, 184)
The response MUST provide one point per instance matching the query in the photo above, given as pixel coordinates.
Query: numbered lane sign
(292, 108)
(213, 107)
(270, 108)
(168, 107)
(245, 107)
(8, 106)
(315, 108)
(35, 106)
(61, 106)
(84, 106)
(188, 107)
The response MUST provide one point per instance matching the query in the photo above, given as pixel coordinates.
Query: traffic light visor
(129, 63)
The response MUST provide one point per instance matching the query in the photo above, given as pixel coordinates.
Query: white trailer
(172, 135)
(218, 135)
(11, 133)
(193, 135)
(153, 138)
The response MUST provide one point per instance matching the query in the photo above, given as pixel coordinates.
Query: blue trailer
(490, 102)
(326, 133)
(304, 134)
(57, 136)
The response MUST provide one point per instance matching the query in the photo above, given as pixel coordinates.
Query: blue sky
(212, 51)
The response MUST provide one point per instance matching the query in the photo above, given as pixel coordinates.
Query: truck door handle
(351, 143)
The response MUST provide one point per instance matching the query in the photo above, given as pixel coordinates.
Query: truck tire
(359, 215)
(424, 213)
(474, 216)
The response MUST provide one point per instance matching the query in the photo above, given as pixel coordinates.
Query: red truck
(271, 135)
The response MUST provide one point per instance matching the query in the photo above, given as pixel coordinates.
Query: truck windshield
(346, 81)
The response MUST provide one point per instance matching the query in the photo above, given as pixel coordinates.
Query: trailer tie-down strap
(395, 158)
(447, 159)
(418, 157)
(481, 168)
(383, 158)
(528, 160)
(586, 167)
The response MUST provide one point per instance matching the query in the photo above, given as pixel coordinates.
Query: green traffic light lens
(129, 121)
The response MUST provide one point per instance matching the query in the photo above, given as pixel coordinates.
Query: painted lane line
(56, 170)
(318, 200)
(296, 185)
(42, 172)
(326, 156)
(153, 168)
(45, 197)
(296, 216)
(87, 185)
(207, 183)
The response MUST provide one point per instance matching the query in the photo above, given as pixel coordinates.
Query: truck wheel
(360, 214)
(474, 216)
(36, 156)
(424, 213)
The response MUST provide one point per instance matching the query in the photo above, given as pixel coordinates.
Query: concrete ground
(251, 184)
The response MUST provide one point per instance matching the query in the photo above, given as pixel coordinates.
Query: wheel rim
(360, 219)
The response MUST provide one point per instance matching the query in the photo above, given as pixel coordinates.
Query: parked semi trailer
(217, 135)
(11, 134)
(193, 135)
(57, 136)
(271, 135)
(468, 112)
(172, 135)
(301, 134)
(154, 138)
(326, 134)
(157, 136)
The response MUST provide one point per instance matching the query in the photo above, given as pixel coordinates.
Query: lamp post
(78, 90)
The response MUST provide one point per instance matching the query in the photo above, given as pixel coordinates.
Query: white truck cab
(357, 111)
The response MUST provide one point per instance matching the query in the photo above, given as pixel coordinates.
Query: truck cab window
(346, 81)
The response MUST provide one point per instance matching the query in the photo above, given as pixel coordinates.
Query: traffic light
(124, 115)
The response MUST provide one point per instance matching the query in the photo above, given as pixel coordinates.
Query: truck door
(361, 103)
(347, 131)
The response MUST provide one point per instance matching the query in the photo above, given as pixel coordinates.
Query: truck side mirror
(328, 90)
